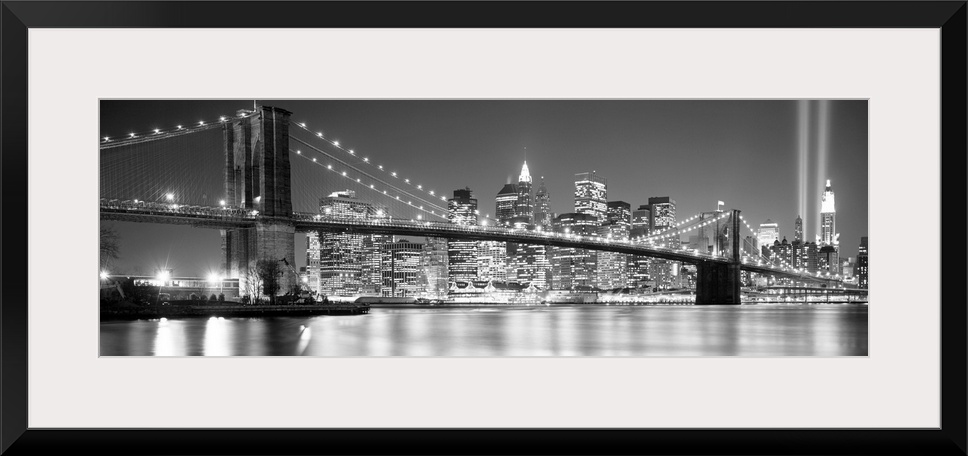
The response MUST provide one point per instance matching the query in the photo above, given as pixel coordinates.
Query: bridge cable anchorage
(410, 195)
(155, 134)
(335, 143)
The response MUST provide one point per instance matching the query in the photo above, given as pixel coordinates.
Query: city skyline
(729, 125)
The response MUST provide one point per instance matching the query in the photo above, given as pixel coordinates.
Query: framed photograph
(485, 227)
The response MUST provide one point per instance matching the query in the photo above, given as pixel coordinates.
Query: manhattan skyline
(749, 154)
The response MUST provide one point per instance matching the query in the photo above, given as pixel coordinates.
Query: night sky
(748, 154)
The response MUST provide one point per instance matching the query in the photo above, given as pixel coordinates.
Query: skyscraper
(524, 206)
(768, 233)
(542, 206)
(573, 267)
(663, 273)
(400, 268)
(828, 219)
(345, 260)
(433, 268)
(662, 213)
(798, 230)
(613, 267)
(492, 260)
(591, 195)
(641, 221)
(506, 203)
(462, 255)
(860, 270)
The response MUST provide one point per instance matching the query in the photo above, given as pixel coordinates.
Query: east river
(589, 330)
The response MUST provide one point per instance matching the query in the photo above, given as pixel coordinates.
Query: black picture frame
(17, 17)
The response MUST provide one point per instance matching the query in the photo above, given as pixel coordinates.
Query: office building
(543, 216)
(524, 205)
(506, 203)
(768, 233)
(462, 255)
(798, 230)
(860, 270)
(401, 268)
(574, 267)
(662, 213)
(613, 270)
(591, 195)
(343, 262)
(828, 217)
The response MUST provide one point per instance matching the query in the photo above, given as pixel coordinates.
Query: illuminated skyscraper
(400, 268)
(492, 260)
(343, 262)
(574, 267)
(542, 207)
(462, 255)
(798, 230)
(524, 206)
(860, 270)
(433, 268)
(662, 213)
(591, 195)
(639, 265)
(828, 219)
(664, 273)
(613, 267)
(768, 233)
(506, 203)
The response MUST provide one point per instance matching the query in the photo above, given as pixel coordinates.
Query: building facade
(860, 270)
(591, 195)
(461, 254)
(524, 205)
(401, 268)
(543, 216)
(574, 267)
(344, 263)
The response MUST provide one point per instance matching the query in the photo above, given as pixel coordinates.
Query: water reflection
(782, 330)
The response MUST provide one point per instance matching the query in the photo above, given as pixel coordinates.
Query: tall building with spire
(828, 217)
(542, 207)
(524, 206)
(828, 230)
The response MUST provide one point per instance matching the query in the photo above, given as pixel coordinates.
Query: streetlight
(104, 275)
(170, 196)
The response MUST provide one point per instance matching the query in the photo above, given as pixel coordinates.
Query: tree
(110, 246)
(251, 284)
(268, 272)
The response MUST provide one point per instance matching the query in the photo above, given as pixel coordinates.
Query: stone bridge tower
(257, 178)
(719, 283)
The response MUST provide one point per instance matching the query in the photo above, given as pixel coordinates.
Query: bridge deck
(221, 217)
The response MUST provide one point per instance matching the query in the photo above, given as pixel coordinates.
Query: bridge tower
(257, 178)
(719, 283)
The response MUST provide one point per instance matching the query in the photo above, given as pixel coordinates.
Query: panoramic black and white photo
(483, 228)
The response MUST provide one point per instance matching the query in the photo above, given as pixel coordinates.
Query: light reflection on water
(790, 330)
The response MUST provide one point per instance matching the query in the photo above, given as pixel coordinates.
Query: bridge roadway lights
(717, 283)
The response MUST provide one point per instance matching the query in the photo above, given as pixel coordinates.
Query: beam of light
(822, 147)
(803, 151)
